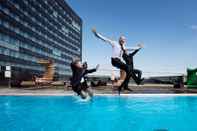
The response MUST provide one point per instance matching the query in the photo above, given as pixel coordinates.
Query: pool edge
(97, 94)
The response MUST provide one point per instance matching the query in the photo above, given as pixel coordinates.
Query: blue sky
(168, 29)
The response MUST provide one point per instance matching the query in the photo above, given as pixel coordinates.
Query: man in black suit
(78, 79)
(135, 73)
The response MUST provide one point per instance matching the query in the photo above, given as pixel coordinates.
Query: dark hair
(85, 65)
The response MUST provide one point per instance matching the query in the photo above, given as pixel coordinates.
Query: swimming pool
(102, 113)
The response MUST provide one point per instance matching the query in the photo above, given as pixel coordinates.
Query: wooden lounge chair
(47, 77)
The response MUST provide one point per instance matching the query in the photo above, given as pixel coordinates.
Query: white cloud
(193, 27)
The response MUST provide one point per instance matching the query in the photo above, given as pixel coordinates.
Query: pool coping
(97, 94)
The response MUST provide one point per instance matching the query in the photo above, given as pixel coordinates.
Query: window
(56, 52)
(26, 2)
(6, 52)
(16, 5)
(6, 11)
(1, 8)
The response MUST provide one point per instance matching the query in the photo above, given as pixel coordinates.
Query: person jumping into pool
(136, 74)
(117, 51)
(78, 79)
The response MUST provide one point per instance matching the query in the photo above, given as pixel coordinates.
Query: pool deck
(148, 89)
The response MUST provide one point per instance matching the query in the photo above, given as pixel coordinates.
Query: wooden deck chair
(48, 75)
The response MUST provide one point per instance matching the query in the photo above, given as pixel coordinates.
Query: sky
(168, 29)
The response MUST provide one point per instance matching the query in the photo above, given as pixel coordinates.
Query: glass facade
(31, 30)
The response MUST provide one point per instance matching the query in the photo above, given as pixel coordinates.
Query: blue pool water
(103, 113)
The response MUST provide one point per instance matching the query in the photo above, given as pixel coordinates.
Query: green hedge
(192, 78)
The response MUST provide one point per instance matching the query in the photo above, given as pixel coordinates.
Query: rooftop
(152, 89)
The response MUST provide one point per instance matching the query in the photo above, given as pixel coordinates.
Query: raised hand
(94, 30)
(141, 45)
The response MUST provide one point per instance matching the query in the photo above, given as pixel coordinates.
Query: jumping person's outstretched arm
(139, 46)
(92, 70)
(98, 35)
(134, 52)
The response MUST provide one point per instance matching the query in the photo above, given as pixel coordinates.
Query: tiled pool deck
(144, 89)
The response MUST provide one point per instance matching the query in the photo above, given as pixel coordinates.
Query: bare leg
(126, 82)
(119, 64)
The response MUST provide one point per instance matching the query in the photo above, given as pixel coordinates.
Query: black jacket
(128, 58)
(78, 74)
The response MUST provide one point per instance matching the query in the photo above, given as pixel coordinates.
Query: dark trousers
(116, 62)
(136, 78)
(135, 73)
(128, 68)
(138, 73)
(82, 86)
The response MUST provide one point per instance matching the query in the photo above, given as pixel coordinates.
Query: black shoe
(126, 86)
(140, 81)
